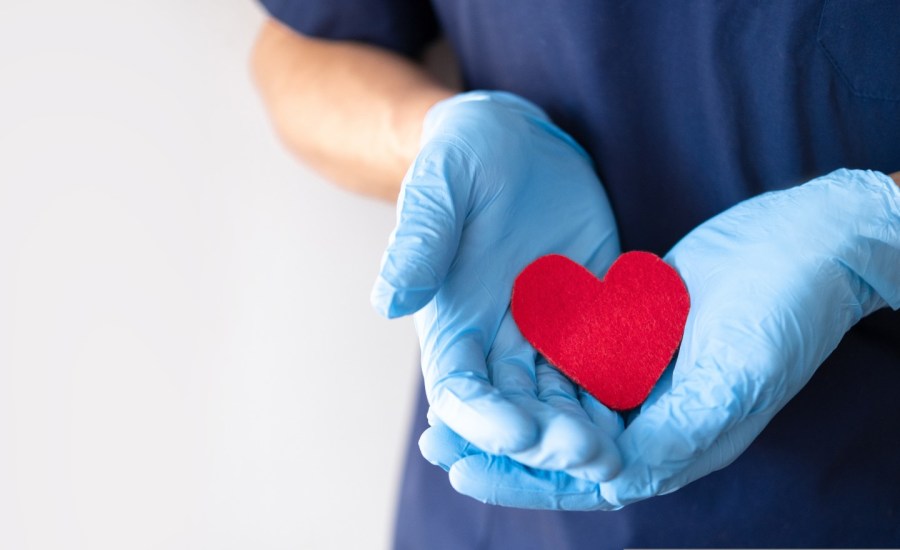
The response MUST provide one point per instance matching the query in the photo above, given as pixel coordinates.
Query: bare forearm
(352, 112)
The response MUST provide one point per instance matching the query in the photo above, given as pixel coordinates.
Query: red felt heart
(613, 337)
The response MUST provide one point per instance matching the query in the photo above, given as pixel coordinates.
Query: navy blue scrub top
(687, 108)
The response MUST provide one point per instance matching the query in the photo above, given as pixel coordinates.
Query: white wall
(188, 359)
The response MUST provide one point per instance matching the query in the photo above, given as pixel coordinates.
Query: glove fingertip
(499, 430)
(441, 447)
(620, 493)
(467, 478)
(391, 302)
(499, 480)
(478, 413)
(603, 468)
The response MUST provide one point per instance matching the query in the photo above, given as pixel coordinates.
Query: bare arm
(351, 111)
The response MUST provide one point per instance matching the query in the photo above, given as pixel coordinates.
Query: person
(748, 142)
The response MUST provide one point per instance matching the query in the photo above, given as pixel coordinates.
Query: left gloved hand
(775, 282)
(495, 185)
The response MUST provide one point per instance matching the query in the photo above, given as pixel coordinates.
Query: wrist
(406, 120)
(867, 209)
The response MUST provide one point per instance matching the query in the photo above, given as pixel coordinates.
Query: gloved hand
(495, 185)
(775, 282)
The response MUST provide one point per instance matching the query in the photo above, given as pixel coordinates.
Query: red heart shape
(613, 337)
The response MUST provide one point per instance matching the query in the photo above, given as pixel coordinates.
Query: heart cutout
(613, 337)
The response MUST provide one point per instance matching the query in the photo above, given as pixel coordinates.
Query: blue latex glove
(494, 186)
(775, 282)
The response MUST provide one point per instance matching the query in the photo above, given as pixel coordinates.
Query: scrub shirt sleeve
(402, 26)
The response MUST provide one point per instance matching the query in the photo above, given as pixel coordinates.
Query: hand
(496, 185)
(775, 282)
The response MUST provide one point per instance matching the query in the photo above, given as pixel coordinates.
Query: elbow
(263, 60)
(271, 73)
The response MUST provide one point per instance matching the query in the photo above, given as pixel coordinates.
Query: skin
(350, 111)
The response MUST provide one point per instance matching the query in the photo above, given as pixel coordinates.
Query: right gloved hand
(775, 283)
(496, 185)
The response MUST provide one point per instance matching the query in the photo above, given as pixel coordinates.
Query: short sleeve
(403, 26)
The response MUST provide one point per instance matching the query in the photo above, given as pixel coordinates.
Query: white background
(188, 359)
